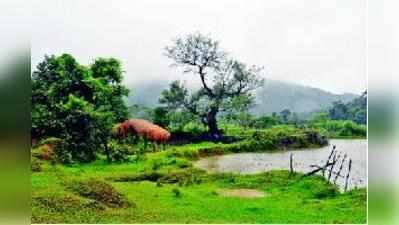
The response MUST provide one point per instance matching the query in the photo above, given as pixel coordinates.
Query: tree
(355, 110)
(223, 79)
(77, 103)
(285, 115)
(161, 117)
(339, 111)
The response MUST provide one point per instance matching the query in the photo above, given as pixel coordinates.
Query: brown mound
(241, 192)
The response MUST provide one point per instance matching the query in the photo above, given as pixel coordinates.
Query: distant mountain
(275, 96)
(146, 94)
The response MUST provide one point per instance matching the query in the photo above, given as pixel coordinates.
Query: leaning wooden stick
(318, 168)
(340, 169)
(328, 160)
(335, 160)
(347, 175)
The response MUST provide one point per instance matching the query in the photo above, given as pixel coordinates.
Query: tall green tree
(222, 79)
(77, 103)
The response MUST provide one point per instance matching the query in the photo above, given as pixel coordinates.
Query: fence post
(347, 175)
(291, 164)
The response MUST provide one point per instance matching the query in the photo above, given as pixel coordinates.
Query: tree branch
(206, 87)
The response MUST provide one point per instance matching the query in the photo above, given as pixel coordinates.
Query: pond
(250, 163)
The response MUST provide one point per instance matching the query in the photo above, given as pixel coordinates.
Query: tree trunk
(212, 124)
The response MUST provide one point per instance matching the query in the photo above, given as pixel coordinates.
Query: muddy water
(250, 163)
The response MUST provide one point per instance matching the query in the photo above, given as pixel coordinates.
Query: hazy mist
(310, 42)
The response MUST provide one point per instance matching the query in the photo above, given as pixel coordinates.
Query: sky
(311, 42)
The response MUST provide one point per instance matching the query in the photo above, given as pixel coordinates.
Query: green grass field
(165, 188)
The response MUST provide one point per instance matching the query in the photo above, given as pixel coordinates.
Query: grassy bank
(163, 187)
(332, 129)
(341, 129)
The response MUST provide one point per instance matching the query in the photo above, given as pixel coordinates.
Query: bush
(193, 128)
(100, 191)
(118, 152)
(44, 152)
(35, 165)
(45, 149)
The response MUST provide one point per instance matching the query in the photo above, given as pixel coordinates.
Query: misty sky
(311, 42)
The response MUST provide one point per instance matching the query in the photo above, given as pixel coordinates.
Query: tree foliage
(225, 82)
(285, 115)
(77, 103)
(355, 110)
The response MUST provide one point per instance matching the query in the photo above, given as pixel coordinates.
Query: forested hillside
(295, 97)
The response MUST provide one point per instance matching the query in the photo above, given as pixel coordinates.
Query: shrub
(100, 191)
(43, 152)
(46, 148)
(194, 128)
(118, 152)
(50, 141)
(35, 165)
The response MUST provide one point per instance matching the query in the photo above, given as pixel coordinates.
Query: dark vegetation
(87, 168)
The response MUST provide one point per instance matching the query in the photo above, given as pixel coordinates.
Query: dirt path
(241, 192)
